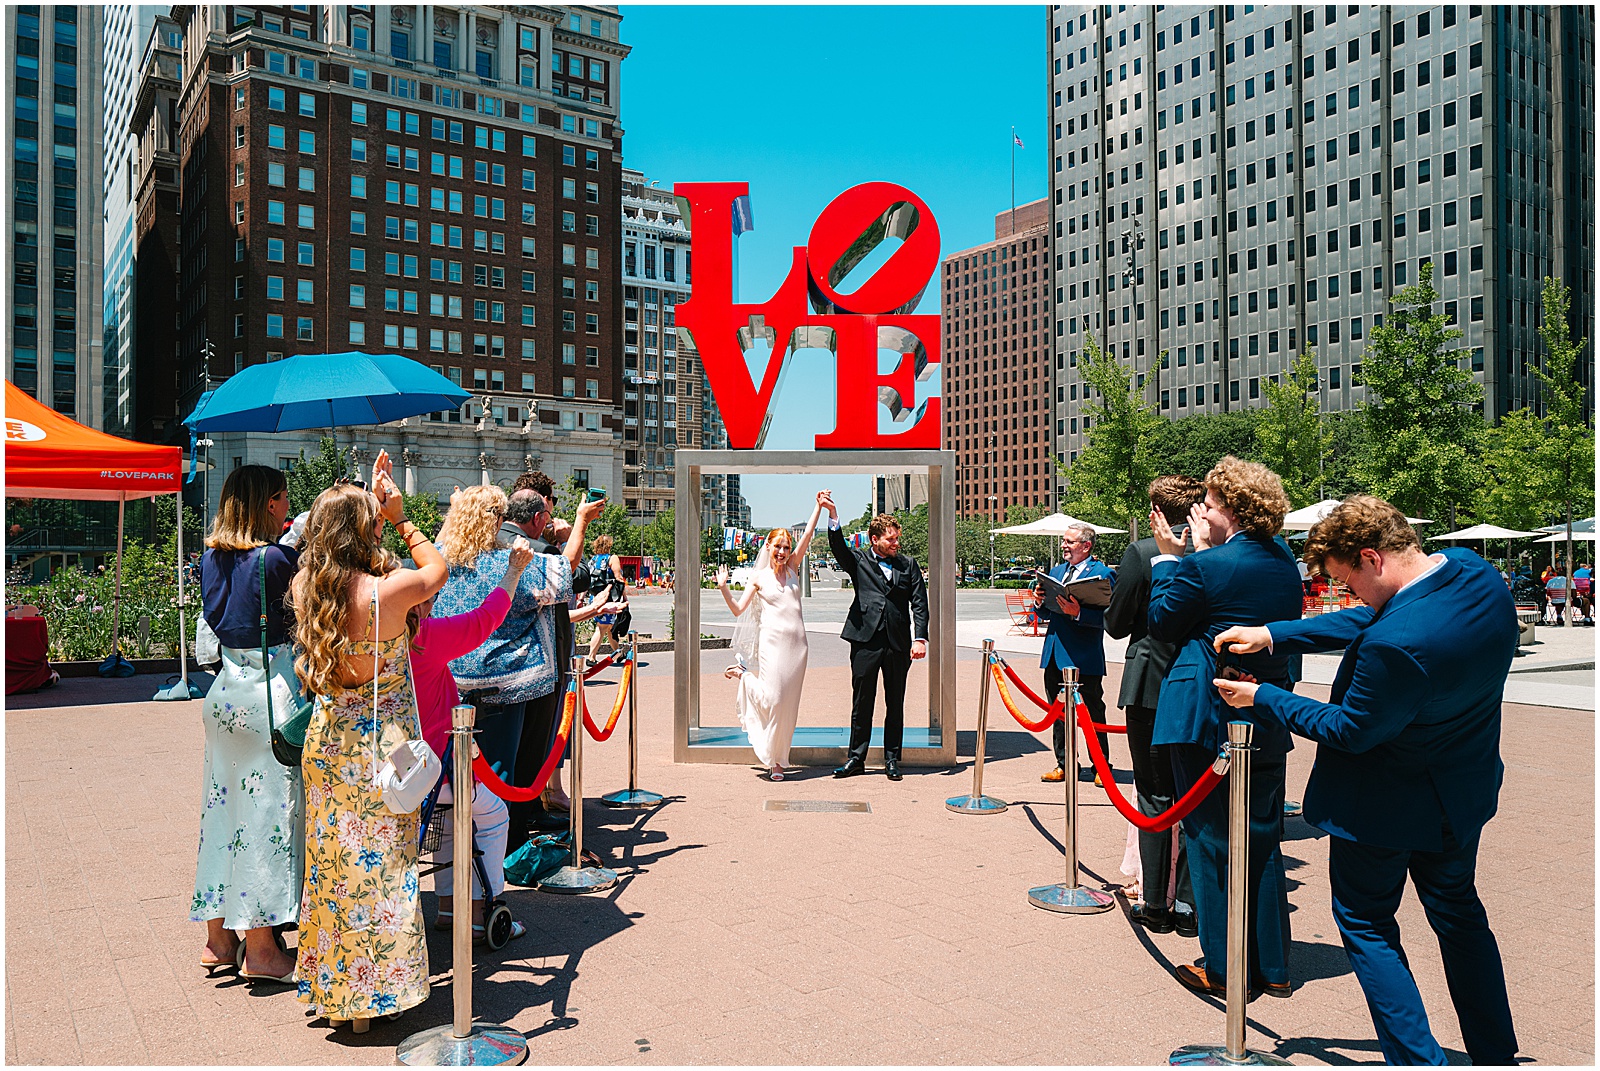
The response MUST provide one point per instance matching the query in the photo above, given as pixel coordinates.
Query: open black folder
(1089, 591)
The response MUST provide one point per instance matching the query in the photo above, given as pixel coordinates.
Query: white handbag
(412, 768)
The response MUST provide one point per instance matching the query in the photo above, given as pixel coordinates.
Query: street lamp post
(1132, 242)
(993, 520)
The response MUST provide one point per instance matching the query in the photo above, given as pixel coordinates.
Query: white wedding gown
(768, 699)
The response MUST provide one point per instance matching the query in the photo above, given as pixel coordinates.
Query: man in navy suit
(1408, 766)
(1239, 574)
(1076, 638)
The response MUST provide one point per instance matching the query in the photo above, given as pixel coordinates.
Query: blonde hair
(339, 543)
(472, 524)
(603, 544)
(1252, 493)
(243, 520)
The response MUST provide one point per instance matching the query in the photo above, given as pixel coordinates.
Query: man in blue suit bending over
(1075, 637)
(1408, 764)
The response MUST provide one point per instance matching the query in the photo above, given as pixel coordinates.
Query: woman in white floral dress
(362, 950)
(248, 874)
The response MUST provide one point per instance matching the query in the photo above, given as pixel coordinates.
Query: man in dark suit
(1143, 668)
(887, 628)
(1075, 638)
(1408, 766)
(1239, 574)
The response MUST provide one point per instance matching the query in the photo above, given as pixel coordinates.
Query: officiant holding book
(1075, 635)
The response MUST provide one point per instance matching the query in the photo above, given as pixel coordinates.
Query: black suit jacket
(1147, 660)
(898, 606)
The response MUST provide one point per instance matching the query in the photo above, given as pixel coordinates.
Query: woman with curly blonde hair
(519, 658)
(1239, 574)
(362, 950)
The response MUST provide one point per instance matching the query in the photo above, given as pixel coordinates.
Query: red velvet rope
(1166, 819)
(491, 780)
(602, 735)
(1040, 703)
(606, 663)
(1052, 713)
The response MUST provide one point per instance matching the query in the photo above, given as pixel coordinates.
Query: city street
(742, 935)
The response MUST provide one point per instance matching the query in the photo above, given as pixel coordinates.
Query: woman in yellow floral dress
(362, 951)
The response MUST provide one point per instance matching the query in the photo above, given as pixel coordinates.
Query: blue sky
(803, 103)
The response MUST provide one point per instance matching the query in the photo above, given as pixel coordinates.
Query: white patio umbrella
(1055, 524)
(1485, 532)
(1302, 519)
(1561, 537)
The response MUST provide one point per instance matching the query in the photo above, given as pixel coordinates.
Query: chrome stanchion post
(462, 1042)
(575, 877)
(1233, 1052)
(633, 795)
(977, 802)
(1070, 897)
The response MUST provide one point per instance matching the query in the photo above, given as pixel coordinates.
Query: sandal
(775, 774)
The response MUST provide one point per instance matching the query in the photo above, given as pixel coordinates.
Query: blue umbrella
(325, 391)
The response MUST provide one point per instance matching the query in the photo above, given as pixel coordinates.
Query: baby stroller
(497, 920)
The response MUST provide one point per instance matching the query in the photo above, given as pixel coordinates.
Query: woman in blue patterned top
(520, 657)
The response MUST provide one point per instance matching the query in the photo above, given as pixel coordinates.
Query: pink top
(440, 639)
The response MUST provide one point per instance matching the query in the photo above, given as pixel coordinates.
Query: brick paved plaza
(743, 936)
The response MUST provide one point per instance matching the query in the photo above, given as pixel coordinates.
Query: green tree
(1422, 430)
(421, 510)
(1567, 455)
(972, 542)
(656, 538)
(1347, 433)
(1192, 445)
(1110, 481)
(315, 474)
(1290, 438)
(1516, 487)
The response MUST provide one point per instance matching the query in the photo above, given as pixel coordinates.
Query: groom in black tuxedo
(887, 629)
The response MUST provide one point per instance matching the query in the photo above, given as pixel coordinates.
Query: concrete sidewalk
(744, 936)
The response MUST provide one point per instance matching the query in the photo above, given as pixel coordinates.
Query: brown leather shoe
(1282, 990)
(1055, 776)
(1198, 980)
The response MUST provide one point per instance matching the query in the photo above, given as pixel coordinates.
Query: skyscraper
(128, 28)
(441, 183)
(665, 395)
(995, 317)
(53, 209)
(1289, 169)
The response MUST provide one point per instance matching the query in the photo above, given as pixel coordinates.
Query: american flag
(1017, 140)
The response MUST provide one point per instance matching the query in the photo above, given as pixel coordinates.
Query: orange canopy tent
(51, 456)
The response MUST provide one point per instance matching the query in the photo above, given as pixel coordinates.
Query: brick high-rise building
(442, 183)
(1291, 168)
(995, 315)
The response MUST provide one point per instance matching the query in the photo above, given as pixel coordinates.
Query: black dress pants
(1092, 691)
(1154, 794)
(539, 724)
(867, 661)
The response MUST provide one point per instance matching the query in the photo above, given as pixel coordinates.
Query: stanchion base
(488, 1045)
(1292, 809)
(1217, 1056)
(1070, 900)
(975, 804)
(577, 880)
(632, 797)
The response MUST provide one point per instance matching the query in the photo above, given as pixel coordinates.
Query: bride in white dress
(770, 645)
